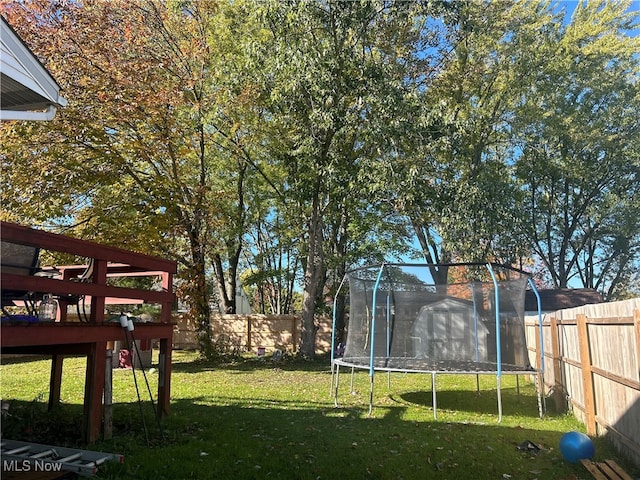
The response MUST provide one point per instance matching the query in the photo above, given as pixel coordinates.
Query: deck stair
(26, 456)
(607, 470)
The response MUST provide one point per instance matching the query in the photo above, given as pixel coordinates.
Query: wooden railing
(92, 338)
(108, 261)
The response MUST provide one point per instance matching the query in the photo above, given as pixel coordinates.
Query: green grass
(257, 419)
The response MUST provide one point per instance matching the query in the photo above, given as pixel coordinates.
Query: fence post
(558, 387)
(294, 333)
(636, 322)
(587, 376)
(248, 333)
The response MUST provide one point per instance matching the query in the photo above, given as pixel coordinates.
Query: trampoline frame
(373, 366)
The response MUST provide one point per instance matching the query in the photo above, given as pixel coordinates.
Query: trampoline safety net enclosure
(427, 318)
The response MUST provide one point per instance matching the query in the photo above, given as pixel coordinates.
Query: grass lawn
(259, 419)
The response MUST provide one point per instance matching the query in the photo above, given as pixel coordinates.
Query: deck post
(164, 377)
(108, 396)
(55, 380)
(93, 390)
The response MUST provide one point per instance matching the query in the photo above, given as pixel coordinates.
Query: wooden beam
(93, 391)
(607, 470)
(22, 235)
(107, 431)
(99, 277)
(55, 380)
(164, 377)
(69, 287)
(67, 334)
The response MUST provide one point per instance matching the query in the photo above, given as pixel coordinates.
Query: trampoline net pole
(498, 342)
(333, 329)
(539, 378)
(373, 332)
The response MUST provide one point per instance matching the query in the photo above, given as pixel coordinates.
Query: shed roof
(28, 91)
(561, 298)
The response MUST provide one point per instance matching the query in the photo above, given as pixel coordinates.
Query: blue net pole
(496, 294)
(498, 345)
(333, 335)
(374, 316)
(333, 327)
(373, 336)
(388, 311)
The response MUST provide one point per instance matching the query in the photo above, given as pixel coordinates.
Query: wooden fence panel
(623, 360)
(253, 332)
(592, 355)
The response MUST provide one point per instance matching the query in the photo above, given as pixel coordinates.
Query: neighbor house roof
(28, 91)
(559, 299)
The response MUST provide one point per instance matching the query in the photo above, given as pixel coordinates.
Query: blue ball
(575, 446)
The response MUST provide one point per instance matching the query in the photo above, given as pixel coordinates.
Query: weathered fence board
(592, 365)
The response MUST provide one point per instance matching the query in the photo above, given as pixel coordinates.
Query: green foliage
(580, 149)
(291, 141)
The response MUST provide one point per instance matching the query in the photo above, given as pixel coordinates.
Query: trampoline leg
(371, 395)
(333, 366)
(335, 397)
(433, 395)
(353, 370)
(539, 378)
(518, 386)
(498, 382)
(477, 384)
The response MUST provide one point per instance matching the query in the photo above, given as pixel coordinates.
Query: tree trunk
(312, 276)
(198, 300)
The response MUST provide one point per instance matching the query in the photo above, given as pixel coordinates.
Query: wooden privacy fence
(592, 365)
(253, 332)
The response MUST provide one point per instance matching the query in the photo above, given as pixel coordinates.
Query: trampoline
(458, 318)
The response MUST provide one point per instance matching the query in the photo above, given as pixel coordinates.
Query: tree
(152, 133)
(579, 167)
(331, 76)
(456, 182)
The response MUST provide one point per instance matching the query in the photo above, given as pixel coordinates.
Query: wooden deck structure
(90, 338)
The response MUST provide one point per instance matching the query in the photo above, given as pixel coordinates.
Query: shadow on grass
(280, 439)
(24, 358)
(252, 364)
(276, 440)
(483, 402)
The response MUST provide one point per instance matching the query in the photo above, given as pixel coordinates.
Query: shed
(450, 329)
(560, 298)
